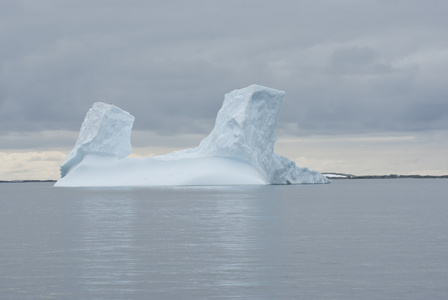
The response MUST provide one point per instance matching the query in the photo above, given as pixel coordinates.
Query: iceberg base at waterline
(238, 151)
(109, 171)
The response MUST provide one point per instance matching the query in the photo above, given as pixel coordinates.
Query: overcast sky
(366, 82)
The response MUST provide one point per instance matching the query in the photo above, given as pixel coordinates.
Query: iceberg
(238, 151)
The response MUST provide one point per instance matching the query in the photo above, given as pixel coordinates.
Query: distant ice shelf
(238, 151)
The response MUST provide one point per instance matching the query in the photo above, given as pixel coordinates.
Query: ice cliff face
(241, 143)
(106, 131)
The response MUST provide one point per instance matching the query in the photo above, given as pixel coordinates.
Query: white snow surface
(238, 151)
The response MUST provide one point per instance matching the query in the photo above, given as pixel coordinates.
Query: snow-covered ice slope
(239, 150)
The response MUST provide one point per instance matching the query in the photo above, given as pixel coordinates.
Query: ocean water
(351, 239)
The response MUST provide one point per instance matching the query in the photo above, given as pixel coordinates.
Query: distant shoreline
(328, 175)
(26, 181)
(390, 176)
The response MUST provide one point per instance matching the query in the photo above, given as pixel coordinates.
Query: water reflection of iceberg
(106, 245)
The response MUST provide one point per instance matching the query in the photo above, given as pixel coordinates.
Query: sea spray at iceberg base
(238, 151)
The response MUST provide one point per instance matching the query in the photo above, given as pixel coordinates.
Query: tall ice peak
(245, 130)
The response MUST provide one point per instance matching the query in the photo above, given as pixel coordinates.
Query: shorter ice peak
(105, 131)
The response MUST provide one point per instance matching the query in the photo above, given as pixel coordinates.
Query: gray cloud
(346, 66)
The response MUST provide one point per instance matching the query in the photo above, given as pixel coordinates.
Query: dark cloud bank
(346, 66)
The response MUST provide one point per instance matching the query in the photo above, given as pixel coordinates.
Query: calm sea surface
(351, 239)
